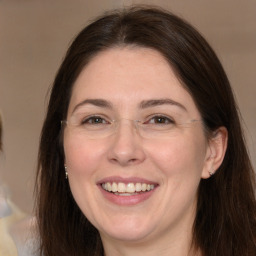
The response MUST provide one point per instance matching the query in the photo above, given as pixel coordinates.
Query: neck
(149, 251)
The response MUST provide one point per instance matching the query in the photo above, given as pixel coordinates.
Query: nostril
(124, 161)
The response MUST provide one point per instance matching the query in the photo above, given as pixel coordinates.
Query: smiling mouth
(129, 189)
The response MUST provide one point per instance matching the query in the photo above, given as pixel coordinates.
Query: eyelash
(167, 120)
(101, 120)
(90, 119)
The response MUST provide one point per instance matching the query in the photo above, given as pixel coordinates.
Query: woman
(7, 246)
(142, 151)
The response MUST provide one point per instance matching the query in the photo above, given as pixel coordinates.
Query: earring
(66, 172)
(211, 174)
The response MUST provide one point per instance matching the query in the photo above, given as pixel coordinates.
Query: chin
(127, 233)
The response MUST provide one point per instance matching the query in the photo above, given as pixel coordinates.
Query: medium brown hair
(225, 222)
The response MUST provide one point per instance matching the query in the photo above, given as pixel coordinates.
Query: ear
(215, 153)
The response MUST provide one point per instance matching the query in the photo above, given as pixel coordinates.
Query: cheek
(82, 157)
(179, 156)
(82, 160)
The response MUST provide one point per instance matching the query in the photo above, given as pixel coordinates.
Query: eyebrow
(159, 102)
(96, 102)
(144, 104)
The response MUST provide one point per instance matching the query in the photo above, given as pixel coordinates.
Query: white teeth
(121, 187)
(127, 189)
(144, 187)
(114, 187)
(130, 188)
(138, 187)
(108, 187)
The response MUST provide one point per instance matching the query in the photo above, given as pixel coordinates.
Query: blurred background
(34, 35)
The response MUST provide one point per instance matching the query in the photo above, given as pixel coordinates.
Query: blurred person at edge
(16, 228)
(142, 151)
(9, 214)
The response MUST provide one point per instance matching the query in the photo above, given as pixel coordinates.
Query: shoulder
(9, 215)
(25, 237)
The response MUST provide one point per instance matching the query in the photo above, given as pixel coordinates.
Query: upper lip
(126, 180)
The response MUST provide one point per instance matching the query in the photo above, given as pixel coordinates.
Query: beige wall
(34, 35)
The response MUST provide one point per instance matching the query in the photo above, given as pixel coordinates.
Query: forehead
(126, 66)
(126, 76)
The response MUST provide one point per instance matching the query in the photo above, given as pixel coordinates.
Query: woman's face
(111, 163)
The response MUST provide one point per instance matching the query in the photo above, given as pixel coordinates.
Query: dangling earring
(66, 172)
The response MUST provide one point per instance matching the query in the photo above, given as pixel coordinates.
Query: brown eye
(160, 120)
(94, 120)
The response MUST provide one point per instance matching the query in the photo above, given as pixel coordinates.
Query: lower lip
(127, 200)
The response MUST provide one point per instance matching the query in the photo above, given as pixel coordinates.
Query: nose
(126, 146)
